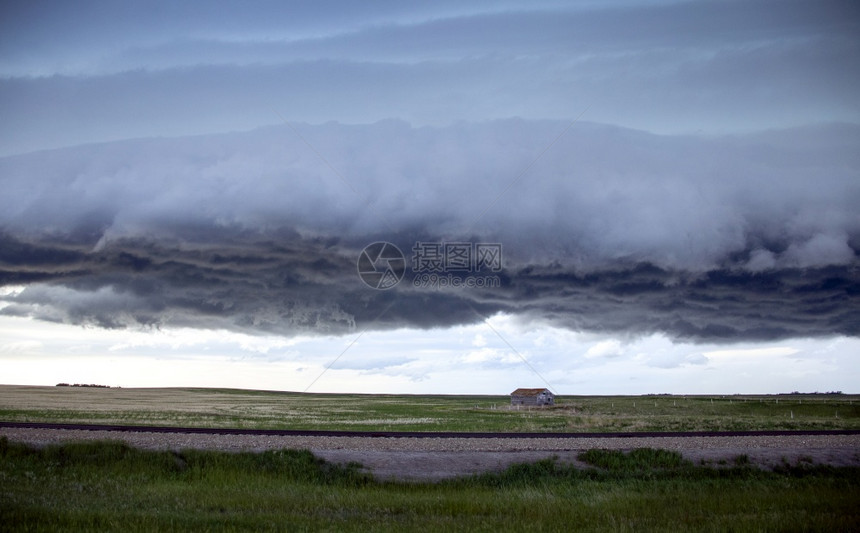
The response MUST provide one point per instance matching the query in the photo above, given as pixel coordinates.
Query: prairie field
(111, 486)
(232, 408)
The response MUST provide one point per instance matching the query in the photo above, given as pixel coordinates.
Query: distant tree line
(83, 385)
(816, 392)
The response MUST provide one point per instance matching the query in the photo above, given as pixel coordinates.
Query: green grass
(641, 460)
(108, 486)
(282, 410)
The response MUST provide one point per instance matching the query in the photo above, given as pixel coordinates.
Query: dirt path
(434, 458)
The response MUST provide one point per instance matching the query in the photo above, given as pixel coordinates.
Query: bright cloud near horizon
(671, 189)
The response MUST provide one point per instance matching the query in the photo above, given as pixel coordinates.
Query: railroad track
(418, 434)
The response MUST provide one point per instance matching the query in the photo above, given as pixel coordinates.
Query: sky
(620, 197)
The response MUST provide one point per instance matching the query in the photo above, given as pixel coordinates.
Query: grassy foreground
(108, 486)
(283, 410)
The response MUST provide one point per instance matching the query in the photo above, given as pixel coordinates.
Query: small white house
(537, 397)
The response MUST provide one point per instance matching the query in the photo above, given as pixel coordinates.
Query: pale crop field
(284, 410)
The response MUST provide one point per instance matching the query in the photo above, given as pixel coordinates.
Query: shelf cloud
(614, 196)
(606, 229)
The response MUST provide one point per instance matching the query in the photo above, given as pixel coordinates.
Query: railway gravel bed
(435, 458)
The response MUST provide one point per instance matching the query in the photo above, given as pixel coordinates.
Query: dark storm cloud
(297, 286)
(281, 283)
(612, 230)
(721, 305)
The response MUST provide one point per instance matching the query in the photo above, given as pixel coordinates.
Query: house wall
(545, 399)
(532, 400)
(523, 400)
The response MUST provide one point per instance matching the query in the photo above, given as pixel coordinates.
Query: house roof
(529, 392)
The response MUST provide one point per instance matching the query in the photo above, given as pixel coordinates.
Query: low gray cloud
(676, 67)
(600, 195)
(718, 239)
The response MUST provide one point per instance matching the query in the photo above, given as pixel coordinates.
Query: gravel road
(430, 459)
